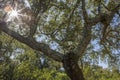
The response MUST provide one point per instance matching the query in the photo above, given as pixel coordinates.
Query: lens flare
(13, 14)
(8, 8)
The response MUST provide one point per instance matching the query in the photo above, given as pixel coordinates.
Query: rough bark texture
(32, 43)
(72, 68)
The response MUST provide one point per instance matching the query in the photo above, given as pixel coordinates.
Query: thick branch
(87, 27)
(32, 43)
(84, 42)
(86, 34)
(102, 16)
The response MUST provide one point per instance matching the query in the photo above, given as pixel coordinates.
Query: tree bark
(32, 43)
(70, 64)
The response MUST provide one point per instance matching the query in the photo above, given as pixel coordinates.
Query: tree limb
(86, 34)
(39, 7)
(102, 16)
(85, 15)
(32, 43)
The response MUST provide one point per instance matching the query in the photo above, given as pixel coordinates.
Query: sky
(96, 46)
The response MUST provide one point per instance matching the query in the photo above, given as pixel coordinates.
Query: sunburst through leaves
(14, 13)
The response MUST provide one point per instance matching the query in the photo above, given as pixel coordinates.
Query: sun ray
(14, 14)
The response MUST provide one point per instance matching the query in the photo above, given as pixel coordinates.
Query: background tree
(21, 62)
(66, 30)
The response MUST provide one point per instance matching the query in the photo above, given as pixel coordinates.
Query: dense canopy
(66, 39)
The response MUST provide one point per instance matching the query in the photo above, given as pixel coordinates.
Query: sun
(13, 13)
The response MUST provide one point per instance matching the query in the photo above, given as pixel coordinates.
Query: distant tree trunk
(70, 63)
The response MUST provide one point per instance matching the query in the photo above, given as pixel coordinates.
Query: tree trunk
(70, 64)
